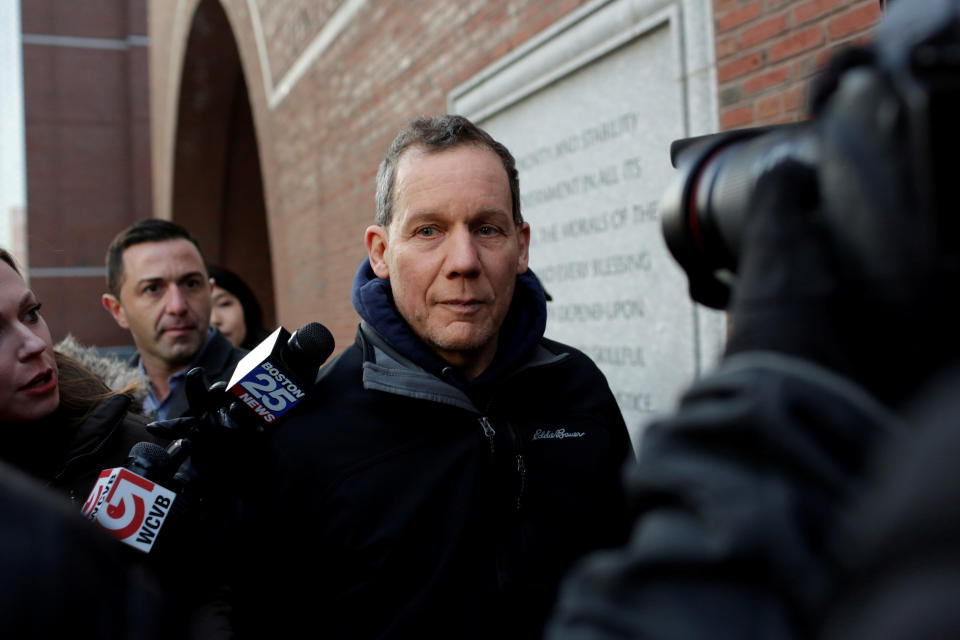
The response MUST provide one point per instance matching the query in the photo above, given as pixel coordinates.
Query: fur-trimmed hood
(116, 373)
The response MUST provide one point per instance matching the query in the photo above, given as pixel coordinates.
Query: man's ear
(115, 309)
(376, 238)
(524, 260)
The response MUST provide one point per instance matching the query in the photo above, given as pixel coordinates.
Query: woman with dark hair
(66, 424)
(236, 312)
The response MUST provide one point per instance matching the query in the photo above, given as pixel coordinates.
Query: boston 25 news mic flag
(130, 503)
(275, 377)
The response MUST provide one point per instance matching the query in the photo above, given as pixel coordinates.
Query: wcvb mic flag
(130, 507)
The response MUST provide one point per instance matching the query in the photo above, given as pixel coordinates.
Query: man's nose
(463, 258)
(176, 303)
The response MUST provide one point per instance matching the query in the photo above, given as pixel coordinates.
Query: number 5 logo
(126, 505)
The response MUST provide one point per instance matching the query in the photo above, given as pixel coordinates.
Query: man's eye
(487, 230)
(426, 232)
(151, 288)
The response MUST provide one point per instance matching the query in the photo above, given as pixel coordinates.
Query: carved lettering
(646, 212)
(564, 272)
(591, 312)
(600, 223)
(577, 185)
(630, 401)
(621, 264)
(618, 356)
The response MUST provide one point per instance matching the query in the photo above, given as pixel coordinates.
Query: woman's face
(227, 315)
(28, 372)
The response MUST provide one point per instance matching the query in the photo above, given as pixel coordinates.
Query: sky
(12, 154)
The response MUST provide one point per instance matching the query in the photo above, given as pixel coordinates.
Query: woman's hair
(252, 314)
(81, 390)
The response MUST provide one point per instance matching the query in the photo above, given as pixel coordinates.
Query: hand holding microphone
(218, 432)
(267, 383)
(225, 421)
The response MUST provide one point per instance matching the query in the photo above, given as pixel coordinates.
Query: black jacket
(102, 441)
(68, 459)
(61, 577)
(739, 502)
(219, 359)
(415, 506)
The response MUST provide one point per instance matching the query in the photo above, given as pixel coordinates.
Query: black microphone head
(145, 457)
(308, 348)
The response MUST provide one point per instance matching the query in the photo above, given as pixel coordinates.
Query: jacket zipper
(522, 472)
(521, 465)
(488, 432)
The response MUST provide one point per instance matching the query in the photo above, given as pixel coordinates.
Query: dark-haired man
(452, 462)
(160, 291)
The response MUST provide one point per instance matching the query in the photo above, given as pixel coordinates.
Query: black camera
(876, 161)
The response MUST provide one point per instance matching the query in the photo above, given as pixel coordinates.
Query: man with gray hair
(452, 463)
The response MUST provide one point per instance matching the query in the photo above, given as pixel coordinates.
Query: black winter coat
(739, 501)
(69, 459)
(410, 510)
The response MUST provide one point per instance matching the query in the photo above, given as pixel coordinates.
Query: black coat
(739, 502)
(410, 511)
(61, 577)
(218, 360)
(102, 441)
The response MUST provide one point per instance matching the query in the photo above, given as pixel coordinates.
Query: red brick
(766, 80)
(823, 57)
(763, 31)
(856, 20)
(814, 9)
(727, 47)
(805, 66)
(719, 6)
(739, 16)
(793, 98)
(739, 67)
(769, 107)
(796, 43)
(739, 117)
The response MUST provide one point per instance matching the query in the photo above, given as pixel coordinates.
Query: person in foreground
(452, 462)
(62, 577)
(160, 291)
(63, 425)
(808, 487)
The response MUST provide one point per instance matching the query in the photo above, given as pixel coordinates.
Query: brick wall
(767, 51)
(87, 151)
(320, 142)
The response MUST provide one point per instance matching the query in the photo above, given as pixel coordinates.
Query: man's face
(164, 301)
(452, 251)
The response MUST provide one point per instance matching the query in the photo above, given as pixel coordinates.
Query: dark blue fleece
(522, 328)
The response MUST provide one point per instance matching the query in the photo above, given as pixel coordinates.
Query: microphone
(276, 375)
(126, 501)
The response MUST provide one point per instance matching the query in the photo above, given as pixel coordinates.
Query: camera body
(873, 166)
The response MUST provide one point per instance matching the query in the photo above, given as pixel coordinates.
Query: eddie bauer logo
(556, 434)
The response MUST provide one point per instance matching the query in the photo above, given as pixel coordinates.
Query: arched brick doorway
(217, 182)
